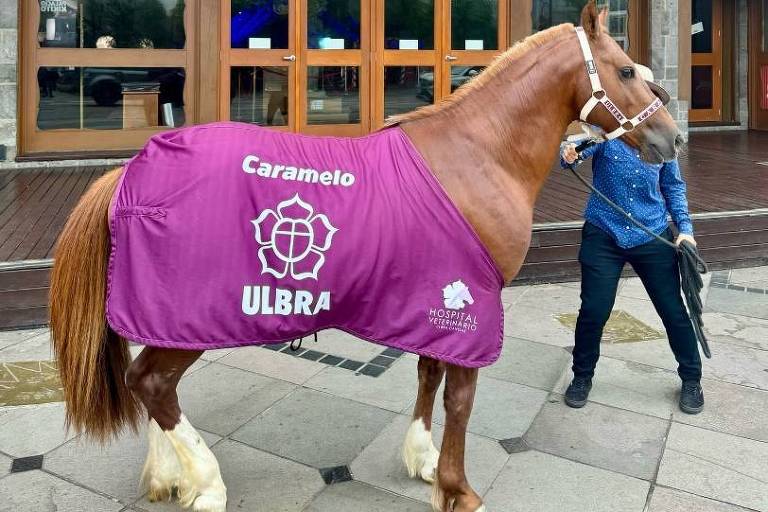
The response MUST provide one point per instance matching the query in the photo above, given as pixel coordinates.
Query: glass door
(426, 49)
(333, 74)
(259, 68)
(706, 60)
(472, 38)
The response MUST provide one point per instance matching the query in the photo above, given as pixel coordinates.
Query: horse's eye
(628, 73)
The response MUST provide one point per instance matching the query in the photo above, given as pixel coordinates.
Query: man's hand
(683, 237)
(569, 153)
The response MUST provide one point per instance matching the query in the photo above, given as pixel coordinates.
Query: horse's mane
(497, 66)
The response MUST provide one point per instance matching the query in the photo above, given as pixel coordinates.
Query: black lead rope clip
(296, 344)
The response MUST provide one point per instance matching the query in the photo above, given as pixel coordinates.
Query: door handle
(290, 58)
(451, 58)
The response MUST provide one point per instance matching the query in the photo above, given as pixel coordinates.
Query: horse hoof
(213, 502)
(161, 492)
(419, 453)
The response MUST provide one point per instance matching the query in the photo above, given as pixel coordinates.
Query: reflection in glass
(407, 87)
(409, 20)
(259, 24)
(111, 23)
(333, 24)
(548, 13)
(701, 87)
(259, 95)
(333, 95)
(701, 12)
(474, 24)
(110, 98)
(463, 74)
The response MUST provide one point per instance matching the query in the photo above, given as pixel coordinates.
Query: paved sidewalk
(322, 431)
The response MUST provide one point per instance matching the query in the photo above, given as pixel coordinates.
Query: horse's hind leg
(419, 452)
(451, 491)
(179, 464)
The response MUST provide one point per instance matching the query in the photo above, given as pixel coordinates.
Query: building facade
(87, 78)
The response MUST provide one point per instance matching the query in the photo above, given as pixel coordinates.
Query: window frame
(33, 142)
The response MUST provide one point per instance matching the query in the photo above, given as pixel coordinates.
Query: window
(547, 13)
(115, 69)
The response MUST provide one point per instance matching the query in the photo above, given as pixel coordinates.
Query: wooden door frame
(758, 117)
(35, 143)
(715, 114)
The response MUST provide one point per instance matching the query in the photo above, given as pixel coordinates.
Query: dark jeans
(601, 264)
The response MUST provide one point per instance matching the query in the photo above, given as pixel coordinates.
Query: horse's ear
(590, 20)
(603, 19)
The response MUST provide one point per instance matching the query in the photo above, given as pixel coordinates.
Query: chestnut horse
(508, 122)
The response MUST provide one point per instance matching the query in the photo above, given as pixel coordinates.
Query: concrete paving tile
(258, 481)
(737, 364)
(530, 323)
(5, 465)
(380, 463)
(37, 348)
(552, 298)
(642, 310)
(731, 409)
(634, 289)
(113, 469)
(36, 491)
(42, 427)
(511, 295)
(501, 409)
(749, 275)
(664, 499)
(738, 302)
(357, 496)
(221, 399)
(273, 364)
(339, 343)
(651, 353)
(605, 437)
(632, 386)
(8, 338)
(717, 466)
(737, 329)
(215, 355)
(314, 428)
(530, 363)
(394, 390)
(533, 481)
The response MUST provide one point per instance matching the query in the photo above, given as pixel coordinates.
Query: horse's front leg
(179, 463)
(419, 452)
(451, 491)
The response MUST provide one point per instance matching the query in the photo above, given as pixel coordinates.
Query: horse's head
(620, 99)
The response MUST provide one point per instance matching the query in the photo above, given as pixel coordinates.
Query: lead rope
(689, 260)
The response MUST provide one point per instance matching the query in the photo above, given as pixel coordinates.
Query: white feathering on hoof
(419, 453)
(200, 486)
(162, 470)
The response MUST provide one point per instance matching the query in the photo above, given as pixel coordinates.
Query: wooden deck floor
(722, 170)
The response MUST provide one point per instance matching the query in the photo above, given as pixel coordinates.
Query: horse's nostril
(679, 141)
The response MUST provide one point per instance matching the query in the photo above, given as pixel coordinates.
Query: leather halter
(599, 96)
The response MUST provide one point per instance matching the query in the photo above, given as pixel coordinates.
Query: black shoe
(577, 393)
(691, 397)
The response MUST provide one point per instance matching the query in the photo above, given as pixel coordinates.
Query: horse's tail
(92, 359)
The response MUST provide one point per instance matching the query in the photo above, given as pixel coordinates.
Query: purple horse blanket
(228, 235)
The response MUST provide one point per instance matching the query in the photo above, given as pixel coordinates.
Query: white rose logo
(456, 294)
(293, 239)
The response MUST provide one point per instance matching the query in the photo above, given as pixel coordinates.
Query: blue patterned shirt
(646, 191)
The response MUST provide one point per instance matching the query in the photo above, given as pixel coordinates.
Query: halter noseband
(600, 96)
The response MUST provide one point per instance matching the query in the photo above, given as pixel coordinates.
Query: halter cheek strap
(599, 96)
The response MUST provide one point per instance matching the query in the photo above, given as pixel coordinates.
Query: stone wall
(8, 66)
(664, 51)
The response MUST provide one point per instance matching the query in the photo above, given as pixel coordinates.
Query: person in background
(649, 193)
